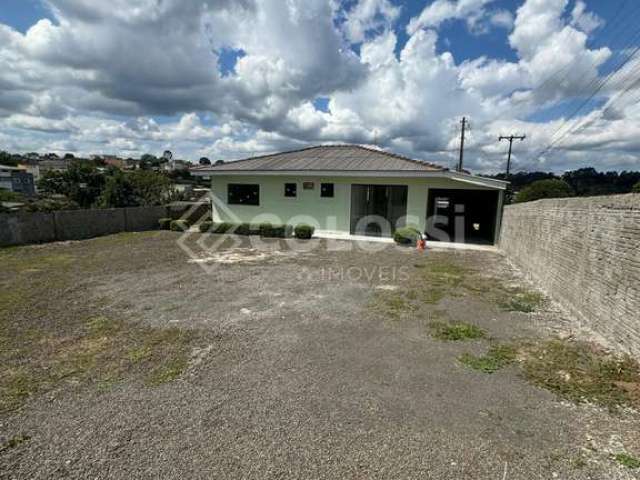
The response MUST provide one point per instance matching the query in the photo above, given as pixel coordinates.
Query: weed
(455, 331)
(627, 460)
(578, 372)
(520, 300)
(497, 357)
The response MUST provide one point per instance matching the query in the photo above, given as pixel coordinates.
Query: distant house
(114, 161)
(176, 165)
(350, 189)
(17, 180)
(54, 165)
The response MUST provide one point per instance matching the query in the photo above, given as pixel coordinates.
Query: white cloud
(440, 11)
(502, 18)
(97, 78)
(367, 16)
(584, 20)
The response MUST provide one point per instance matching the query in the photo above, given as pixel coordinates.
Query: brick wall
(585, 253)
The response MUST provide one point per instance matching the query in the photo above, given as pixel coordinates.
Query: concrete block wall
(585, 253)
(24, 227)
(81, 224)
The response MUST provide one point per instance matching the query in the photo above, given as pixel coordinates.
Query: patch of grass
(627, 460)
(520, 300)
(14, 442)
(102, 352)
(394, 303)
(168, 371)
(579, 372)
(444, 273)
(498, 356)
(455, 331)
(16, 386)
(124, 237)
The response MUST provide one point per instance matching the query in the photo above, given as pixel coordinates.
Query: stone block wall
(585, 253)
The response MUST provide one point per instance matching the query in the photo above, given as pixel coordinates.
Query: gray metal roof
(327, 158)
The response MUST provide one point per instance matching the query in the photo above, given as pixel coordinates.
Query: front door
(376, 209)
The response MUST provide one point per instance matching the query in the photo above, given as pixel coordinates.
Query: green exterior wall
(328, 214)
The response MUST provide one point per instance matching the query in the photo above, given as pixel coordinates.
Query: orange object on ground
(422, 244)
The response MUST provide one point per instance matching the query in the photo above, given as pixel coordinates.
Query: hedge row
(263, 229)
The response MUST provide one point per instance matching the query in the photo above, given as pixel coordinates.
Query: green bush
(179, 225)
(165, 223)
(247, 229)
(636, 188)
(205, 226)
(406, 236)
(304, 231)
(551, 188)
(9, 196)
(266, 230)
(275, 231)
(223, 227)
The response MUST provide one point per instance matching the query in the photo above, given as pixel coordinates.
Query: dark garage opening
(463, 216)
(371, 202)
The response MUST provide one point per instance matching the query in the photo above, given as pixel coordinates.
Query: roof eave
(457, 176)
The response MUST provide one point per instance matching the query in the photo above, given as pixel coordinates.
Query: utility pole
(511, 138)
(464, 126)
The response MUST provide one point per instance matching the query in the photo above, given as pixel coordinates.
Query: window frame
(229, 200)
(295, 189)
(333, 190)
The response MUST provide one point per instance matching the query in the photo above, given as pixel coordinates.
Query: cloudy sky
(233, 78)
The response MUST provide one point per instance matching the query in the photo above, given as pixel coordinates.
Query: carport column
(499, 211)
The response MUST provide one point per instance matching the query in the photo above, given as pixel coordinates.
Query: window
(290, 189)
(308, 185)
(243, 194)
(326, 190)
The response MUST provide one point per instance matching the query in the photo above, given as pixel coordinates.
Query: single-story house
(350, 189)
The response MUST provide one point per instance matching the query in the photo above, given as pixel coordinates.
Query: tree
(81, 183)
(151, 188)
(7, 159)
(219, 162)
(551, 188)
(636, 188)
(118, 192)
(147, 161)
(205, 161)
(69, 156)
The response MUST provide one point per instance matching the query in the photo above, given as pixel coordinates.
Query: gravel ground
(300, 365)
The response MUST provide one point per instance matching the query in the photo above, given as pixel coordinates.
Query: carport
(463, 216)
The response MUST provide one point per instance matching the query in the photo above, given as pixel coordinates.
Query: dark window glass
(243, 194)
(290, 189)
(326, 190)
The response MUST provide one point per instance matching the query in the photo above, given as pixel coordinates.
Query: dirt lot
(122, 357)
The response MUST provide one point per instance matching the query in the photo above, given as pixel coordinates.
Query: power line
(598, 89)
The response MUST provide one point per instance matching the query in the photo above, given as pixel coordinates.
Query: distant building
(54, 165)
(173, 165)
(17, 180)
(113, 161)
